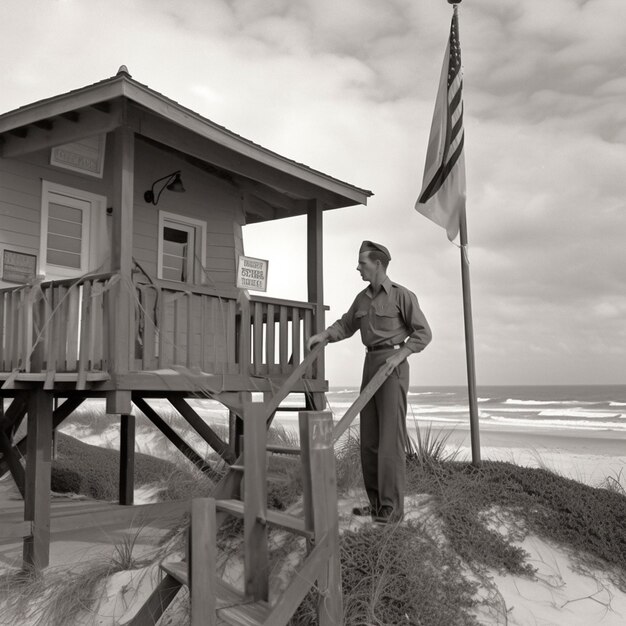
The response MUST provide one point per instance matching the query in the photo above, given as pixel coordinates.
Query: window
(67, 218)
(182, 248)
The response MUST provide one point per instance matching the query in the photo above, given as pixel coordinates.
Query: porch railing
(219, 332)
(63, 326)
(56, 326)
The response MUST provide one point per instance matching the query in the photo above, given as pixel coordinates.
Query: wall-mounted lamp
(172, 182)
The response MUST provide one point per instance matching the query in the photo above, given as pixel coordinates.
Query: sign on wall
(85, 156)
(252, 273)
(18, 267)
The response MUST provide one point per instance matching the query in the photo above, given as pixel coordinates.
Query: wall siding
(209, 199)
(20, 197)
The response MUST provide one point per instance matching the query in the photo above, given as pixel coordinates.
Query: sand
(560, 594)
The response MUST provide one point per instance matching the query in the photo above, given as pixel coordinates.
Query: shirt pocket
(359, 318)
(387, 318)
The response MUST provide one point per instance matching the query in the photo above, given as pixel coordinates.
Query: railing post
(320, 507)
(203, 562)
(121, 310)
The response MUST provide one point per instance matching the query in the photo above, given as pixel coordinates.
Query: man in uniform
(392, 326)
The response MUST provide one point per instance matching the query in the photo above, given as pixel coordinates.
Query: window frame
(95, 203)
(172, 220)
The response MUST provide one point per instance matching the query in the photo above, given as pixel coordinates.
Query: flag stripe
(443, 192)
(441, 174)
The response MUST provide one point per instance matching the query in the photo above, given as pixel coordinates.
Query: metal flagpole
(469, 341)
(467, 321)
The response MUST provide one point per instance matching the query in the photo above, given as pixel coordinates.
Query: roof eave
(122, 85)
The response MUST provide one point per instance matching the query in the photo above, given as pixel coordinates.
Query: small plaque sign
(252, 273)
(18, 267)
(85, 156)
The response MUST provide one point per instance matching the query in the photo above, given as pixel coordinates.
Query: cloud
(348, 88)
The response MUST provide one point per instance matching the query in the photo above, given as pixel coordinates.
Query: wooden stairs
(212, 600)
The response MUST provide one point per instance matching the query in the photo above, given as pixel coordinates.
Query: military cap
(370, 246)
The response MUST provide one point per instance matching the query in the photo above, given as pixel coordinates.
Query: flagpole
(442, 198)
(468, 323)
(469, 341)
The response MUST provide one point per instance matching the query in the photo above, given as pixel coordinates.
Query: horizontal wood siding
(207, 198)
(20, 197)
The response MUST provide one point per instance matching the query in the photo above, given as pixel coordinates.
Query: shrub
(398, 575)
(94, 472)
(588, 521)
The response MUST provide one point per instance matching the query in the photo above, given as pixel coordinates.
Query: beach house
(123, 276)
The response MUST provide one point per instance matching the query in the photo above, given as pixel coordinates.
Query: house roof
(122, 85)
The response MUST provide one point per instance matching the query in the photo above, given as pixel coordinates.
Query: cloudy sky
(348, 87)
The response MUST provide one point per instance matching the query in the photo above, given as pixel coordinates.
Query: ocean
(566, 408)
(583, 412)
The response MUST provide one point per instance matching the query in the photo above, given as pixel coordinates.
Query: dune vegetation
(428, 570)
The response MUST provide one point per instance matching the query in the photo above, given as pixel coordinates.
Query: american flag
(443, 189)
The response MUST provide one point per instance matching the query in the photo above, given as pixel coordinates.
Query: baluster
(308, 326)
(83, 352)
(3, 334)
(295, 336)
(258, 338)
(270, 339)
(283, 346)
(72, 319)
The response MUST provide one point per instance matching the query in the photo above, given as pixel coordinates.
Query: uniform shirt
(386, 319)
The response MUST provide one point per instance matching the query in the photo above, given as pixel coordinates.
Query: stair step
(232, 607)
(284, 450)
(276, 477)
(275, 518)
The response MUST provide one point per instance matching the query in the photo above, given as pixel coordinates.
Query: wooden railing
(56, 326)
(219, 331)
(63, 326)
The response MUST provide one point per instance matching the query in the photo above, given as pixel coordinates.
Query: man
(392, 326)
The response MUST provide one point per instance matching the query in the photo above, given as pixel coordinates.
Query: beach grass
(426, 570)
(93, 471)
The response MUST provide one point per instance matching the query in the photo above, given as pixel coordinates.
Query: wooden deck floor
(84, 522)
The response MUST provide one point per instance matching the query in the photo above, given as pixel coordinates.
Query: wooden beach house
(121, 216)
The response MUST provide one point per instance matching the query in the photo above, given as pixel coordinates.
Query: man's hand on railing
(315, 339)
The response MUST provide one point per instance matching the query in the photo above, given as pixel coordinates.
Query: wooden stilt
(38, 472)
(256, 557)
(127, 459)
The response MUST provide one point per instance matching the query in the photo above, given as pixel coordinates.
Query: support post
(121, 312)
(320, 507)
(469, 342)
(256, 552)
(38, 473)
(315, 282)
(127, 459)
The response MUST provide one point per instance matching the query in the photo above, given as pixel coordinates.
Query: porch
(185, 336)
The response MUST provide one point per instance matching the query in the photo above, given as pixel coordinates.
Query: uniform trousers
(384, 435)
